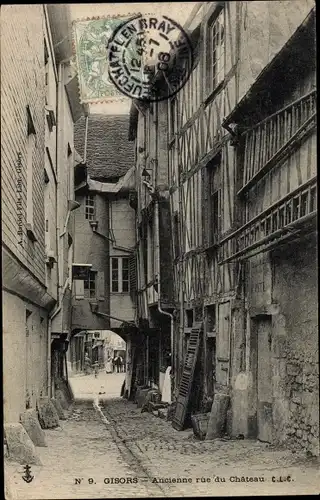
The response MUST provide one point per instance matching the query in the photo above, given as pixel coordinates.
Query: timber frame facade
(240, 153)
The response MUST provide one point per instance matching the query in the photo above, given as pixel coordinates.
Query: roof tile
(109, 153)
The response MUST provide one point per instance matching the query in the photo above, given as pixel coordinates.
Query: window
(216, 49)
(90, 209)
(120, 274)
(90, 285)
(214, 207)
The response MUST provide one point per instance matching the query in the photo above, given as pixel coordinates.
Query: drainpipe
(51, 317)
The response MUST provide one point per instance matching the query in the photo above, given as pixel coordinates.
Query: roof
(109, 153)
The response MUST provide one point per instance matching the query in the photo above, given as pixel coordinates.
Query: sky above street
(179, 11)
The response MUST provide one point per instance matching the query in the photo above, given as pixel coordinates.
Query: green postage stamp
(91, 37)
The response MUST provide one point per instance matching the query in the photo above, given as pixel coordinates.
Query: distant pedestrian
(109, 367)
(87, 364)
(121, 364)
(117, 362)
(96, 368)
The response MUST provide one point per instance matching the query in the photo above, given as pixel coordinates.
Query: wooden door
(264, 380)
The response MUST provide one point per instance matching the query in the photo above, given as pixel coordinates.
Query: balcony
(277, 223)
(273, 139)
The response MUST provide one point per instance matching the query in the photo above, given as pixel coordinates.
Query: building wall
(30, 287)
(122, 218)
(90, 248)
(265, 28)
(296, 361)
(255, 32)
(22, 85)
(122, 223)
(24, 357)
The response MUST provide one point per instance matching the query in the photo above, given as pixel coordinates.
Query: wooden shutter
(187, 378)
(133, 272)
(100, 285)
(79, 289)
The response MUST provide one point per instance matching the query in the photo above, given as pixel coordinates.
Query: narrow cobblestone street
(107, 437)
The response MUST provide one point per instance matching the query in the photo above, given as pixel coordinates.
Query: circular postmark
(150, 58)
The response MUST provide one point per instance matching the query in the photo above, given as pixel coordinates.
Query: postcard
(159, 204)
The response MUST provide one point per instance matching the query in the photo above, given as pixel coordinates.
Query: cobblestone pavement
(167, 453)
(107, 437)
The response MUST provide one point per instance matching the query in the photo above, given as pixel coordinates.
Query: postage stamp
(90, 38)
(150, 57)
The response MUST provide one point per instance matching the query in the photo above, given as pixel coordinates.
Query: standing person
(120, 364)
(87, 364)
(109, 367)
(96, 368)
(117, 362)
(114, 364)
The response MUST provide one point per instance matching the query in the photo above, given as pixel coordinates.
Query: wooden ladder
(185, 387)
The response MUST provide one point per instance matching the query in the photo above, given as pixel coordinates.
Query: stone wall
(295, 290)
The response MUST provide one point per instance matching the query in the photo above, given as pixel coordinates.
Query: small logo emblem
(27, 477)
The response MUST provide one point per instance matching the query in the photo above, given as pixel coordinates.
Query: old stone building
(154, 299)
(236, 149)
(39, 106)
(104, 225)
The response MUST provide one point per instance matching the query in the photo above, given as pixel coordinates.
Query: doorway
(264, 378)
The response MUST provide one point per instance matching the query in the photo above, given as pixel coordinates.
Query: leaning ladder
(185, 387)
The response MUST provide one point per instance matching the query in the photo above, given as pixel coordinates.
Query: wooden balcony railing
(273, 224)
(267, 142)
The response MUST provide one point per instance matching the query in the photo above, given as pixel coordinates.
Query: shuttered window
(133, 273)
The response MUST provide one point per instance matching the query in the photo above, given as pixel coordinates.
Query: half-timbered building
(243, 191)
(242, 197)
(154, 292)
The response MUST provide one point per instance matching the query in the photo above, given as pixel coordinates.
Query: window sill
(30, 233)
(119, 293)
